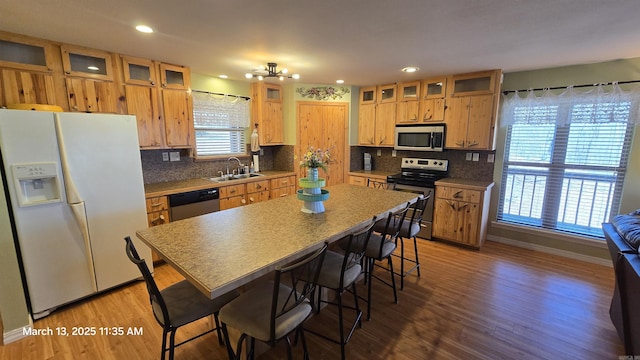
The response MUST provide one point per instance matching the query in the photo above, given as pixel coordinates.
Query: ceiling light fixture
(144, 29)
(410, 69)
(340, 81)
(223, 76)
(271, 71)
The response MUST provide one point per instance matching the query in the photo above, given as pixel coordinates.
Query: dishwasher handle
(192, 197)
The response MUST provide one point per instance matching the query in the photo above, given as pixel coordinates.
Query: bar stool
(339, 272)
(178, 304)
(409, 230)
(381, 246)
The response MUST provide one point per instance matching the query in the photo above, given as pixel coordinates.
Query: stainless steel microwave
(419, 137)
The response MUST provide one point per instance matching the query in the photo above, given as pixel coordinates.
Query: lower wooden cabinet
(364, 180)
(283, 186)
(232, 196)
(157, 214)
(461, 211)
(258, 191)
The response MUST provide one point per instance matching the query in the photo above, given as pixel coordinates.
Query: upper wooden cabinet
(387, 93)
(138, 71)
(87, 95)
(266, 112)
(409, 91)
(478, 83)
(175, 77)
(434, 88)
(178, 118)
(376, 121)
(87, 63)
(472, 109)
(407, 108)
(368, 95)
(30, 72)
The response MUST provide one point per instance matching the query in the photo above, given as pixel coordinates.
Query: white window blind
(565, 158)
(220, 123)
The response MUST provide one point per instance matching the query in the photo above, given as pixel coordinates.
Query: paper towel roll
(256, 166)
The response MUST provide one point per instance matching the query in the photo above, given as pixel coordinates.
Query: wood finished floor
(500, 302)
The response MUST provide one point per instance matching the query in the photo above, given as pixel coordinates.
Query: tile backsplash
(459, 167)
(154, 169)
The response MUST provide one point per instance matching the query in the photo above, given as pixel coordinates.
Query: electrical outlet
(165, 156)
(468, 156)
(261, 152)
(476, 156)
(491, 158)
(174, 156)
(379, 152)
(393, 153)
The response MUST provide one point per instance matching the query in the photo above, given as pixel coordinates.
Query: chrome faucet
(233, 158)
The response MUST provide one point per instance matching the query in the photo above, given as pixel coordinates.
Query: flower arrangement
(316, 158)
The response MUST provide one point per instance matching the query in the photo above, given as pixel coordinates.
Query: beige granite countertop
(466, 183)
(220, 251)
(174, 187)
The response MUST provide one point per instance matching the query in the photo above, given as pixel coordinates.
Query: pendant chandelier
(271, 71)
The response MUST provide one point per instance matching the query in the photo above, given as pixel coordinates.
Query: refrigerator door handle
(79, 213)
(73, 196)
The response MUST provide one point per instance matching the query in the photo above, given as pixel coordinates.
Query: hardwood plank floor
(500, 302)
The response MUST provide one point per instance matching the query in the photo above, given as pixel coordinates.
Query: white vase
(312, 174)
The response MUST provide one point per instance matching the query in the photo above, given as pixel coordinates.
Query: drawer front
(283, 191)
(257, 197)
(283, 181)
(357, 180)
(453, 193)
(258, 186)
(158, 203)
(232, 202)
(158, 218)
(233, 190)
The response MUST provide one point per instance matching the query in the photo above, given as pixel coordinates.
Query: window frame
(555, 172)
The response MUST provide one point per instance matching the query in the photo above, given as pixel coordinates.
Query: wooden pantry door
(324, 125)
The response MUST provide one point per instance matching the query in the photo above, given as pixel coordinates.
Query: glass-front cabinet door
(367, 95)
(25, 54)
(435, 88)
(87, 63)
(409, 91)
(480, 83)
(387, 93)
(175, 76)
(138, 71)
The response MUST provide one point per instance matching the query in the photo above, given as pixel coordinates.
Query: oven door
(427, 217)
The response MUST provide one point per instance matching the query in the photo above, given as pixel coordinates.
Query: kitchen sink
(234, 177)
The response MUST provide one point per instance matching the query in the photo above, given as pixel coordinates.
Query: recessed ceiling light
(223, 76)
(144, 29)
(340, 81)
(410, 69)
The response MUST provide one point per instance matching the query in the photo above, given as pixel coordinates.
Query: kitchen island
(221, 251)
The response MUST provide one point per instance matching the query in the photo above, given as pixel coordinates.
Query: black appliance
(419, 176)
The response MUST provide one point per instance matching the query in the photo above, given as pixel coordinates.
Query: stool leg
(415, 247)
(402, 263)
(393, 279)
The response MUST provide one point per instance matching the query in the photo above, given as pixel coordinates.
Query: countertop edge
(466, 183)
(175, 187)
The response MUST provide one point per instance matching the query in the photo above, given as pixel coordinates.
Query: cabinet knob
(156, 204)
(251, 199)
(457, 194)
(243, 201)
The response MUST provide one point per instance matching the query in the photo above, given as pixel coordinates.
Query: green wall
(617, 70)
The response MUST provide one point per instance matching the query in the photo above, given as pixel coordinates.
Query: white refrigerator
(75, 190)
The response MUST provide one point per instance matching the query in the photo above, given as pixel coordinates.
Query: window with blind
(220, 124)
(565, 160)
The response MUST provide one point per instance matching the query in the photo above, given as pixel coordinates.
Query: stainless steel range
(418, 176)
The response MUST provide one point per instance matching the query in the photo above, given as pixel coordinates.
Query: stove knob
(411, 161)
(440, 163)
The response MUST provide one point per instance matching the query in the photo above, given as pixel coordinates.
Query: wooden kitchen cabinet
(376, 121)
(432, 100)
(232, 196)
(407, 107)
(157, 214)
(163, 108)
(175, 77)
(87, 63)
(283, 186)
(266, 111)
(258, 191)
(461, 212)
(363, 180)
(387, 93)
(472, 105)
(88, 95)
(368, 95)
(30, 72)
(178, 123)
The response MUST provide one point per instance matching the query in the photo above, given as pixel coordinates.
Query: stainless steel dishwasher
(194, 203)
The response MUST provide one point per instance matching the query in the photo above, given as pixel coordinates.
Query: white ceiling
(363, 42)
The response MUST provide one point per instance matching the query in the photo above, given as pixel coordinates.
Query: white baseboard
(15, 334)
(550, 250)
